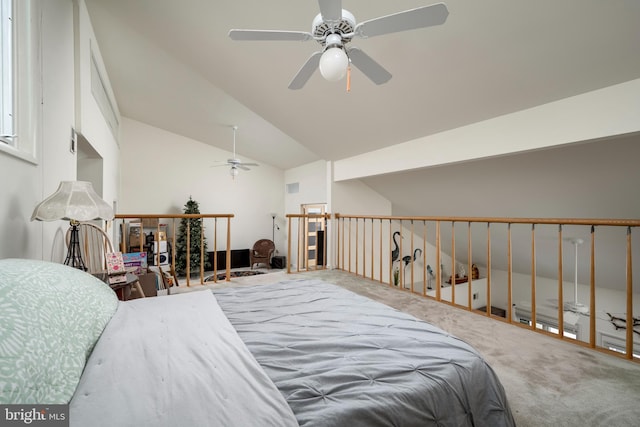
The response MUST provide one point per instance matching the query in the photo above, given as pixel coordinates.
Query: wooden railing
(172, 222)
(524, 255)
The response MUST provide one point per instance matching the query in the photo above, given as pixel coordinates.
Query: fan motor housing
(321, 29)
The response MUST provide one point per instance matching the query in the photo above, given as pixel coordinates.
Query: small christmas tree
(195, 231)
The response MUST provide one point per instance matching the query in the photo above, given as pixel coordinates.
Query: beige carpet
(548, 382)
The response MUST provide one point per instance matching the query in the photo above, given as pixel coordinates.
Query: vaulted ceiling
(173, 66)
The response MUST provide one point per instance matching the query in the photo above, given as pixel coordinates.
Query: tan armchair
(262, 252)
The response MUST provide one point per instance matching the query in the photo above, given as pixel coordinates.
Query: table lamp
(74, 201)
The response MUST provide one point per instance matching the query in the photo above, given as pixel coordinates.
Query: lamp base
(74, 258)
(576, 307)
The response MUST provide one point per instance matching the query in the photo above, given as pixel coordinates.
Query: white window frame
(21, 80)
(618, 345)
(6, 70)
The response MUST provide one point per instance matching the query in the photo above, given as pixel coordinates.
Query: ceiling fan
(335, 27)
(235, 163)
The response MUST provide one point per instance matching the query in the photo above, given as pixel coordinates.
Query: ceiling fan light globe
(233, 172)
(333, 64)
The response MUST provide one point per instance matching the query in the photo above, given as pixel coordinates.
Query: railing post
(289, 219)
(453, 263)
(188, 261)
(228, 266)
(592, 292)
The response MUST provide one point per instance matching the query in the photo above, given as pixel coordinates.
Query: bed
(296, 352)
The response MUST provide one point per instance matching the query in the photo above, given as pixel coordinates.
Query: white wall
(161, 170)
(25, 184)
(89, 120)
(313, 186)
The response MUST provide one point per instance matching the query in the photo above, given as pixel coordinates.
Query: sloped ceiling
(172, 65)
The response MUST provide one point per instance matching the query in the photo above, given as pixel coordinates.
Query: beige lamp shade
(74, 201)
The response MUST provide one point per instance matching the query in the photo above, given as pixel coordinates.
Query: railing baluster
(343, 248)
(469, 272)
(424, 259)
(380, 254)
(357, 244)
(488, 269)
(350, 246)
(390, 258)
(438, 262)
(533, 277)
(629, 331)
(592, 292)
(411, 260)
(509, 275)
(228, 263)
(560, 285)
(372, 251)
(400, 272)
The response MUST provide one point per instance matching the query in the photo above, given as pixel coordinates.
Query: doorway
(314, 235)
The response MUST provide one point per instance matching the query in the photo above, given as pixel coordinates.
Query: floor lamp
(273, 228)
(575, 306)
(74, 201)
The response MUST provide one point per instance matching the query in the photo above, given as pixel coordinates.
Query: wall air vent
(293, 188)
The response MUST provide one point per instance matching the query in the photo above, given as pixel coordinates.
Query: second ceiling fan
(333, 28)
(235, 163)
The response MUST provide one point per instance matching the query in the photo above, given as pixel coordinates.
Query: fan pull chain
(349, 78)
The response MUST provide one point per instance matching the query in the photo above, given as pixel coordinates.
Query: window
(20, 78)
(618, 345)
(6, 65)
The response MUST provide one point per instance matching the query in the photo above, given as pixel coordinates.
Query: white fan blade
(331, 10)
(270, 35)
(243, 167)
(368, 66)
(248, 164)
(421, 17)
(307, 70)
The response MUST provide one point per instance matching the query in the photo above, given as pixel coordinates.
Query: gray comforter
(340, 359)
